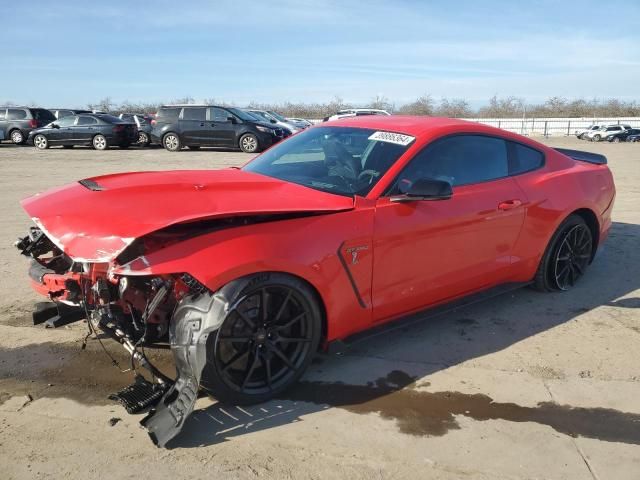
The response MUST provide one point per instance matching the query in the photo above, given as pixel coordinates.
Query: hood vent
(91, 185)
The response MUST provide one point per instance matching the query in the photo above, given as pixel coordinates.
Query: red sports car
(247, 272)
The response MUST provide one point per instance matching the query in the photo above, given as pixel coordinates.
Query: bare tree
(423, 105)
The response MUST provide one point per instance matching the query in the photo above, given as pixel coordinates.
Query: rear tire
(40, 142)
(595, 138)
(100, 142)
(270, 333)
(616, 140)
(567, 256)
(143, 139)
(171, 141)
(17, 137)
(249, 143)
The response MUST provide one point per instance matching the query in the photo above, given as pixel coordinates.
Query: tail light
(33, 123)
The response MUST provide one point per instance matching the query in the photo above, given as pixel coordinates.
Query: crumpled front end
(137, 311)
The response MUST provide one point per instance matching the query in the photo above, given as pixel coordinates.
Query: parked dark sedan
(143, 122)
(97, 130)
(623, 136)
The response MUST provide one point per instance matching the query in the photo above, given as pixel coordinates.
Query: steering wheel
(337, 154)
(368, 173)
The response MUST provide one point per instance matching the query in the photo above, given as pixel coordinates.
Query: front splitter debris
(140, 395)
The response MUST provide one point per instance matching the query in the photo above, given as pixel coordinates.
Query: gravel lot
(526, 385)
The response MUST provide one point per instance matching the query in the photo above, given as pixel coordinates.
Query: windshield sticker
(391, 137)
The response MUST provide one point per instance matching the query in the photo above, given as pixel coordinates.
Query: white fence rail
(548, 126)
(552, 126)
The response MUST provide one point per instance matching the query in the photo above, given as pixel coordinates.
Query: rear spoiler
(584, 156)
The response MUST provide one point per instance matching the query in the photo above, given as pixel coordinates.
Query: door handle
(202, 124)
(509, 204)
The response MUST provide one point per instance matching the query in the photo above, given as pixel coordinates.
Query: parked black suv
(17, 122)
(198, 126)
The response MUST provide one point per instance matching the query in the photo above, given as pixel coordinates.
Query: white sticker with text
(391, 137)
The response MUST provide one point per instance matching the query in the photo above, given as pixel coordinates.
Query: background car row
(173, 127)
(610, 132)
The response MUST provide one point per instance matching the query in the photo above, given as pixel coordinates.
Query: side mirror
(232, 119)
(273, 121)
(426, 189)
(54, 125)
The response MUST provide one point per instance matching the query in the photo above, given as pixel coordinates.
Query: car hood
(35, 131)
(95, 219)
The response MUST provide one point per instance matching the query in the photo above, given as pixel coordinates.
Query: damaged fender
(195, 318)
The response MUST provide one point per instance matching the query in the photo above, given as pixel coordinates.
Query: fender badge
(353, 251)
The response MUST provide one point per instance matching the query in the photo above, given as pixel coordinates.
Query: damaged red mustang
(247, 272)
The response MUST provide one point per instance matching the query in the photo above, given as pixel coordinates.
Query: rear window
(87, 120)
(168, 113)
(16, 114)
(43, 115)
(195, 113)
(524, 159)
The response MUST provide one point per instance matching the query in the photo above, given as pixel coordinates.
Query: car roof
(182, 105)
(410, 125)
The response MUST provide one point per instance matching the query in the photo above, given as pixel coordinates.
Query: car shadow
(375, 373)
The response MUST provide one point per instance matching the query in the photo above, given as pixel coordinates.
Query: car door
(193, 126)
(428, 252)
(84, 130)
(220, 130)
(61, 132)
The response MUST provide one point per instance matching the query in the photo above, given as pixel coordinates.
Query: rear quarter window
(16, 114)
(524, 159)
(168, 114)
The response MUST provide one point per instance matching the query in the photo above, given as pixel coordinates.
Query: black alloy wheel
(573, 256)
(266, 341)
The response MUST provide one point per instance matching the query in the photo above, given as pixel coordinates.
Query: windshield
(277, 116)
(243, 115)
(262, 116)
(341, 160)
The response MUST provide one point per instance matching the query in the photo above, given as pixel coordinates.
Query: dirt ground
(526, 385)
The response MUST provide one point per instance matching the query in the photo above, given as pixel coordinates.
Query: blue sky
(69, 53)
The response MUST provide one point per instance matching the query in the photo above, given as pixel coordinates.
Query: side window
(524, 159)
(218, 114)
(3, 113)
(87, 121)
(194, 113)
(64, 113)
(460, 160)
(16, 114)
(67, 121)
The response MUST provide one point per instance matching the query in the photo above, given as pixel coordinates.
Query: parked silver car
(268, 116)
